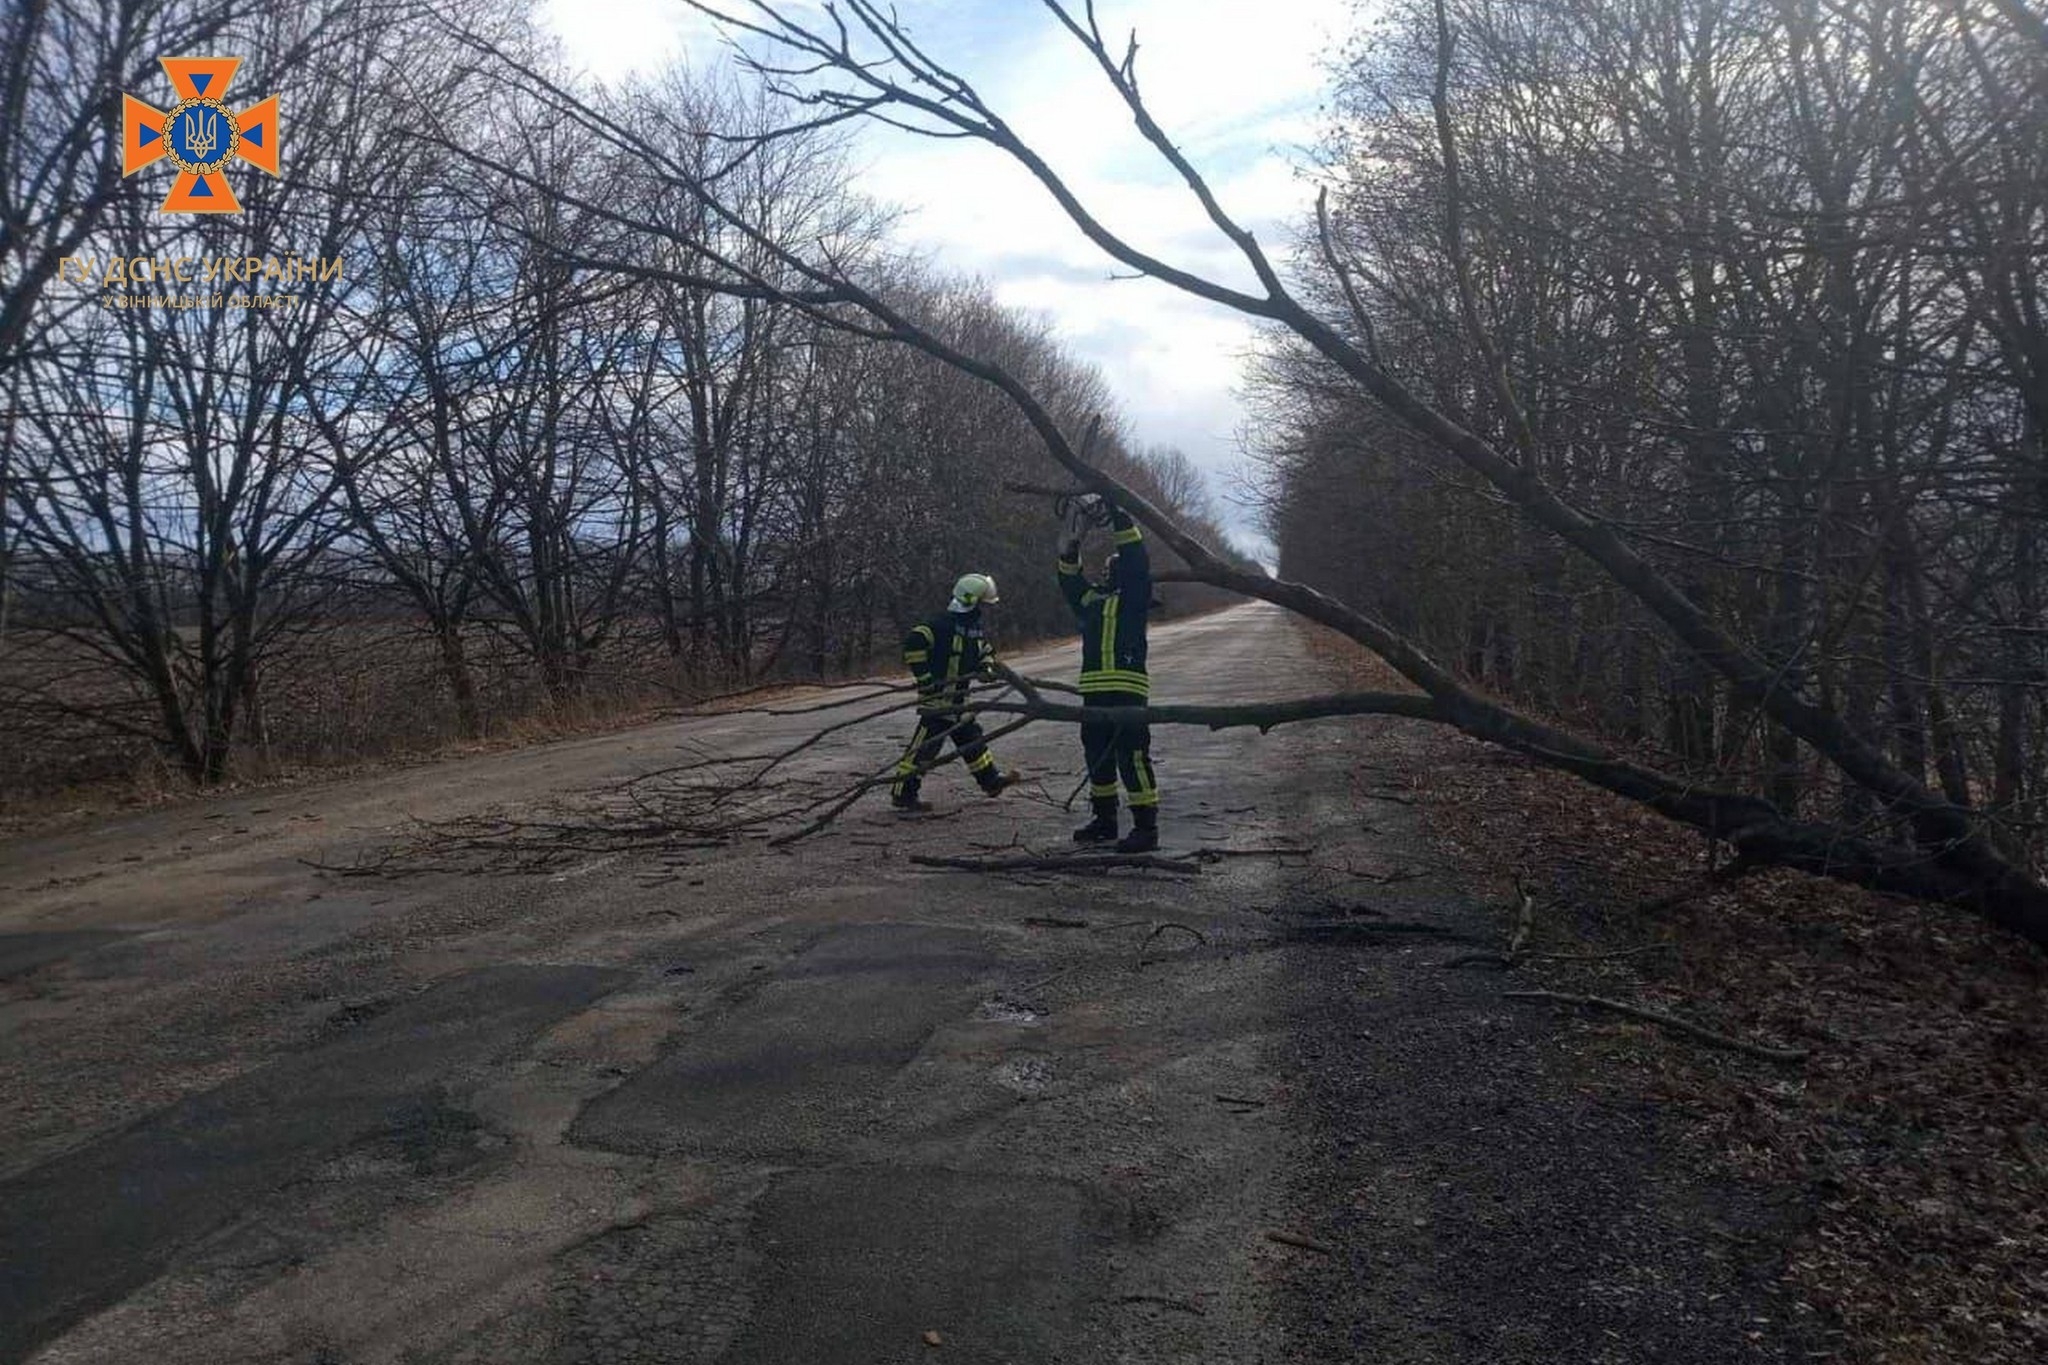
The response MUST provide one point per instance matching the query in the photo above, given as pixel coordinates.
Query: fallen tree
(860, 62)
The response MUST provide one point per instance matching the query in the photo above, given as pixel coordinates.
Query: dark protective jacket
(943, 653)
(1112, 618)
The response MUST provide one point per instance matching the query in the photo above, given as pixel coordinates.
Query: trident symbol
(209, 137)
(202, 137)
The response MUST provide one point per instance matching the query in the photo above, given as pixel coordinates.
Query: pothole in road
(420, 1137)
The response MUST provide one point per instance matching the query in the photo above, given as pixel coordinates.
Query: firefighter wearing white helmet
(944, 653)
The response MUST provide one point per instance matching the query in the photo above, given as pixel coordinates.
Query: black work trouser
(1119, 751)
(929, 741)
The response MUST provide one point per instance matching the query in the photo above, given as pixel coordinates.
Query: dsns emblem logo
(201, 135)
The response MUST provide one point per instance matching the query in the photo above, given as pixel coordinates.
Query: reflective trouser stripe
(918, 739)
(1147, 791)
(1114, 751)
(928, 742)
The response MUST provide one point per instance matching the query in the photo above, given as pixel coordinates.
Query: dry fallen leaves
(1917, 1133)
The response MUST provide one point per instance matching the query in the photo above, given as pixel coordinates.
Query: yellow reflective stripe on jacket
(1108, 639)
(1130, 535)
(914, 657)
(1116, 680)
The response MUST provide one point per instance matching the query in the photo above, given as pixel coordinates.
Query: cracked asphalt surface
(820, 1105)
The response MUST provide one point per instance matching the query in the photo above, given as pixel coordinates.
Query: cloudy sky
(1237, 83)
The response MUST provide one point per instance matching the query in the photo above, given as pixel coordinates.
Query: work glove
(1070, 549)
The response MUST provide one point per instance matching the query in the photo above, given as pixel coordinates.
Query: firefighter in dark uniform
(944, 654)
(1111, 615)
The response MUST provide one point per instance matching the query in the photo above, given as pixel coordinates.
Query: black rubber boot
(1102, 828)
(905, 799)
(993, 782)
(1144, 835)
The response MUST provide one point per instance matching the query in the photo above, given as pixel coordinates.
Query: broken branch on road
(1672, 1022)
(1295, 1239)
(1092, 864)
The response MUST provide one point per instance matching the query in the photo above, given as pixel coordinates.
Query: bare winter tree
(467, 458)
(1749, 290)
(67, 62)
(859, 62)
(167, 504)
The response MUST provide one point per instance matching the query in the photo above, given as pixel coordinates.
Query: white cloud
(1237, 86)
(611, 39)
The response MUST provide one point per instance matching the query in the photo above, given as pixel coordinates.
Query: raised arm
(1072, 585)
(1133, 572)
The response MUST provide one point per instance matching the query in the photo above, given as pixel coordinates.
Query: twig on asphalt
(1670, 1021)
(1094, 863)
(1525, 920)
(1087, 863)
(1045, 981)
(1516, 954)
(1340, 931)
(1209, 853)
(365, 865)
(1161, 927)
(1295, 1239)
(1399, 874)
(1602, 957)
(1512, 954)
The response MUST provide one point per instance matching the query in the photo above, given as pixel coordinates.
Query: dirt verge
(1915, 1132)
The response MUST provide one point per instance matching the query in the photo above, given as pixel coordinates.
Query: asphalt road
(817, 1104)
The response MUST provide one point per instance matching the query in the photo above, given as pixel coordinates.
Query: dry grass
(364, 695)
(351, 698)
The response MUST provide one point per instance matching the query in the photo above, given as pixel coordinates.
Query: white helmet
(971, 591)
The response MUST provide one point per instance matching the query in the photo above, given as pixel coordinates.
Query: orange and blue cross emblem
(200, 135)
